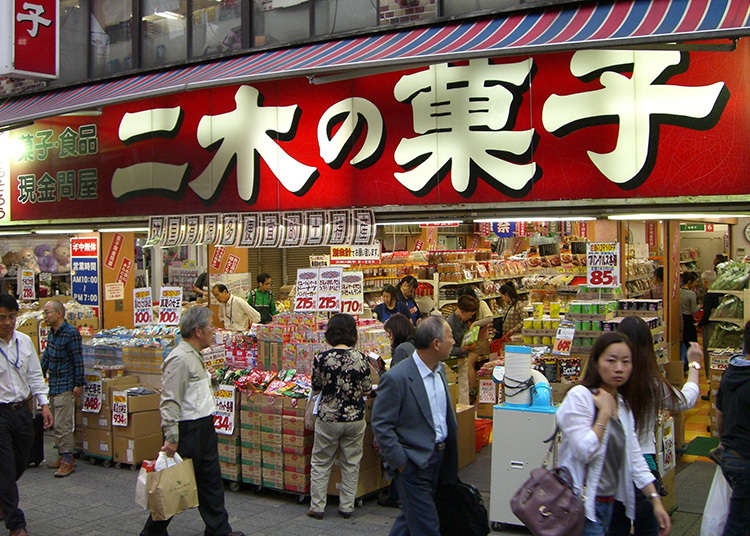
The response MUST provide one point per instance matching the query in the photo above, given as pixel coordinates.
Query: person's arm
(76, 353)
(252, 314)
(272, 305)
(693, 301)
(174, 382)
(44, 364)
(575, 417)
(385, 418)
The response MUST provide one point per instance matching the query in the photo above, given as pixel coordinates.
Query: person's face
(205, 335)
(505, 299)
(51, 316)
(221, 297)
(265, 286)
(615, 365)
(407, 291)
(7, 322)
(387, 298)
(464, 315)
(444, 347)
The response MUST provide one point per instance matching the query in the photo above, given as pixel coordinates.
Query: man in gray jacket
(187, 407)
(415, 428)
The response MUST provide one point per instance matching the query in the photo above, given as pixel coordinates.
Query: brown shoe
(55, 464)
(19, 532)
(316, 515)
(65, 469)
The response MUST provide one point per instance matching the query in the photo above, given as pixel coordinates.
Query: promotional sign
(696, 227)
(29, 40)
(651, 235)
(225, 408)
(170, 306)
(214, 356)
(142, 306)
(114, 251)
(564, 338)
(92, 392)
(355, 254)
(306, 290)
(218, 257)
(42, 336)
(119, 408)
(603, 264)
(114, 291)
(231, 265)
(547, 127)
(25, 284)
(352, 289)
(84, 270)
(329, 289)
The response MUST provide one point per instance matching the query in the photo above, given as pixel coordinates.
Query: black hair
(591, 377)
(409, 281)
(8, 302)
(393, 291)
(466, 290)
(221, 287)
(341, 329)
(262, 277)
(400, 327)
(509, 289)
(467, 303)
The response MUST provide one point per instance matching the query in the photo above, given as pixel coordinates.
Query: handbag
(546, 503)
(461, 510)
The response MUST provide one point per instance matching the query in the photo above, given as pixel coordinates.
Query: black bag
(461, 510)
(36, 456)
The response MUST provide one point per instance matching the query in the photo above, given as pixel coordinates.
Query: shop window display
(164, 32)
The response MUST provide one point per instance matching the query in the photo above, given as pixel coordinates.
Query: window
(281, 21)
(73, 42)
(217, 27)
(335, 16)
(164, 32)
(110, 33)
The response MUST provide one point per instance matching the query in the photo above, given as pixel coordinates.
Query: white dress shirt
(20, 371)
(236, 314)
(433, 384)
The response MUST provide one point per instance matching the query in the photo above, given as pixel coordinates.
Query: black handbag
(461, 510)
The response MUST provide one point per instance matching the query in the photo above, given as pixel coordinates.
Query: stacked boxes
(250, 453)
(97, 427)
(272, 457)
(141, 438)
(296, 445)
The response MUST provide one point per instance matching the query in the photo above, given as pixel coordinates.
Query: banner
(603, 264)
(352, 289)
(84, 270)
(224, 397)
(170, 306)
(142, 306)
(355, 254)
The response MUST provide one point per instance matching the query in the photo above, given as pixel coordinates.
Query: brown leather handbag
(547, 504)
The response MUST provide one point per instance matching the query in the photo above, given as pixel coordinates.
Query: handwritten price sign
(170, 305)
(225, 406)
(563, 340)
(142, 306)
(119, 408)
(92, 394)
(306, 290)
(603, 264)
(352, 293)
(26, 284)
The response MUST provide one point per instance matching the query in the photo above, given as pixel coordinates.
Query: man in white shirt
(235, 313)
(20, 379)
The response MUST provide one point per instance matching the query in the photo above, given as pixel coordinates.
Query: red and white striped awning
(603, 23)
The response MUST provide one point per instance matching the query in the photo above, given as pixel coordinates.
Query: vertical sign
(306, 290)
(114, 251)
(329, 289)
(119, 408)
(124, 274)
(217, 257)
(603, 264)
(4, 179)
(352, 288)
(225, 406)
(231, 265)
(84, 271)
(142, 306)
(34, 38)
(25, 284)
(651, 235)
(170, 305)
(92, 392)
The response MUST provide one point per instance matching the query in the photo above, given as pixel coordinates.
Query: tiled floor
(696, 423)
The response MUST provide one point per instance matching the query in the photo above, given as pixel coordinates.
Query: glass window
(163, 28)
(465, 7)
(73, 42)
(217, 27)
(335, 16)
(111, 41)
(280, 21)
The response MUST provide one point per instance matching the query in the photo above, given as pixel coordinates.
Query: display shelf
(688, 261)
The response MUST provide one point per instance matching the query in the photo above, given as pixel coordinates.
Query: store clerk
(234, 312)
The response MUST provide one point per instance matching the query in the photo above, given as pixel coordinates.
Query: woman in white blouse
(599, 445)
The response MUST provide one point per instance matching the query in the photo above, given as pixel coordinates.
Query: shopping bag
(171, 488)
(141, 493)
(717, 505)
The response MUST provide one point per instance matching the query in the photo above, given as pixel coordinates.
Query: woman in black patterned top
(342, 377)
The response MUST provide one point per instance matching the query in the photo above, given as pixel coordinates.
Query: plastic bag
(163, 461)
(141, 493)
(717, 506)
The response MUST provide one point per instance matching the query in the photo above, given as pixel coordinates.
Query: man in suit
(415, 428)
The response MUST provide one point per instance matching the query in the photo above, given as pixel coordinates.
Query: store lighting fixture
(675, 216)
(535, 219)
(14, 233)
(432, 222)
(124, 230)
(63, 231)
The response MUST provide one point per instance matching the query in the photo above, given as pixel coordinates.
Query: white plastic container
(517, 375)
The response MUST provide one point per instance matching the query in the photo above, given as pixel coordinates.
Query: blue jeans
(736, 470)
(645, 521)
(603, 517)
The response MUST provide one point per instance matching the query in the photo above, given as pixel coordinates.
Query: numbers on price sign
(602, 277)
(221, 422)
(28, 293)
(353, 307)
(562, 346)
(326, 303)
(167, 317)
(143, 317)
(92, 403)
(304, 303)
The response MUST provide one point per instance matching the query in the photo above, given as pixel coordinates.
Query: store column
(118, 278)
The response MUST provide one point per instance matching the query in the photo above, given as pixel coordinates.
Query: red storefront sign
(544, 128)
(124, 274)
(231, 265)
(651, 235)
(217, 257)
(33, 49)
(114, 251)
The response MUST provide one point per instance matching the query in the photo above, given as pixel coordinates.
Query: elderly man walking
(63, 361)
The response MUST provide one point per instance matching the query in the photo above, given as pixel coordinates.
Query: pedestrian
(390, 305)
(407, 289)
(187, 407)
(511, 322)
(415, 428)
(341, 376)
(651, 394)
(733, 424)
(401, 332)
(599, 444)
(20, 380)
(235, 313)
(261, 299)
(63, 361)
(657, 291)
(688, 307)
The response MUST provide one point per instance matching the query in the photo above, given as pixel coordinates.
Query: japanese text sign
(352, 297)
(92, 393)
(564, 339)
(84, 270)
(142, 306)
(170, 305)
(25, 284)
(119, 408)
(218, 257)
(355, 254)
(114, 291)
(30, 46)
(329, 289)
(114, 251)
(306, 290)
(224, 397)
(5, 180)
(603, 264)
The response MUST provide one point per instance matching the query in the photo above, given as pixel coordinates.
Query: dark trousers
(736, 469)
(198, 442)
(16, 437)
(645, 521)
(416, 489)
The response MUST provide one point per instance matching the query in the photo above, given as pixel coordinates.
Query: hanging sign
(29, 47)
(119, 408)
(142, 306)
(352, 289)
(25, 284)
(170, 305)
(225, 408)
(603, 264)
(504, 229)
(92, 393)
(355, 254)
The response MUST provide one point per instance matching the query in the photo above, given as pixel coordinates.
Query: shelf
(688, 261)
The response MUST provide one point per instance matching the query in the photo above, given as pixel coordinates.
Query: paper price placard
(170, 305)
(25, 284)
(563, 340)
(603, 264)
(119, 408)
(352, 298)
(92, 393)
(329, 289)
(142, 306)
(306, 290)
(224, 414)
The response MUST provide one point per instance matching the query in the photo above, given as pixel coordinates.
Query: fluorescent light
(536, 219)
(433, 222)
(63, 231)
(673, 216)
(124, 230)
(169, 15)
(13, 233)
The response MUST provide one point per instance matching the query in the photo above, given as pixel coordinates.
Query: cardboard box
(250, 454)
(249, 434)
(231, 471)
(270, 424)
(151, 379)
(229, 453)
(294, 444)
(97, 421)
(143, 402)
(249, 416)
(273, 458)
(465, 416)
(134, 451)
(249, 400)
(679, 429)
(118, 383)
(294, 425)
(453, 391)
(270, 439)
(297, 463)
(270, 405)
(559, 390)
(294, 407)
(370, 480)
(98, 443)
(273, 478)
(143, 423)
(252, 472)
(485, 411)
(299, 482)
(675, 373)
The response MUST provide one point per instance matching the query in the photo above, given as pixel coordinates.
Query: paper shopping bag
(172, 490)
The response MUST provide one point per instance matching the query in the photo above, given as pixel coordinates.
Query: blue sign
(504, 229)
(85, 280)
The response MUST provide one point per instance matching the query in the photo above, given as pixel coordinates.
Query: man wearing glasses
(20, 379)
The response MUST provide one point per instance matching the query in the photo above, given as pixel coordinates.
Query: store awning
(602, 23)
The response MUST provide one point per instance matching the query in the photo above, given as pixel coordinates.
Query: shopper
(733, 423)
(415, 428)
(719, 259)
(599, 444)
(688, 307)
(63, 360)
(20, 379)
(511, 322)
(710, 302)
(235, 313)
(261, 299)
(187, 407)
(401, 332)
(650, 394)
(390, 305)
(200, 285)
(657, 291)
(460, 322)
(342, 377)
(407, 289)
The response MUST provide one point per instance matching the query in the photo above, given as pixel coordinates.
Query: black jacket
(733, 401)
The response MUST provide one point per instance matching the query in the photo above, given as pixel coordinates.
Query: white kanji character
(34, 16)
(638, 103)
(464, 114)
(243, 132)
(352, 113)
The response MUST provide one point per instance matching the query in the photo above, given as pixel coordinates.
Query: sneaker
(55, 464)
(316, 515)
(64, 470)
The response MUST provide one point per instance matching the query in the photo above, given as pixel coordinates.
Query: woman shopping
(342, 376)
(651, 393)
(401, 332)
(390, 305)
(511, 322)
(599, 444)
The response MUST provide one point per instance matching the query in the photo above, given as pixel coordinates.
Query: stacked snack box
(272, 460)
(296, 444)
(250, 451)
(97, 425)
(138, 436)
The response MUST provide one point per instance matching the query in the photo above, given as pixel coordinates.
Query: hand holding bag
(171, 490)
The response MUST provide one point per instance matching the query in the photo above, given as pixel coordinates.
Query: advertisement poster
(603, 264)
(84, 272)
(355, 254)
(25, 284)
(329, 289)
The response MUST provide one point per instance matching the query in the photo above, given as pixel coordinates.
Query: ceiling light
(431, 222)
(535, 219)
(124, 230)
(63, 231)
(13, 233)
(674, 216)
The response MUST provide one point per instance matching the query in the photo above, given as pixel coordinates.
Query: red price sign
(563, 340)
(603, 264)
(222, 423)
(352, 307)
(304, 304)
(92, 404)
(602, 278)
(224, 397)
(142, 317)
(328, 303)
(168, 317)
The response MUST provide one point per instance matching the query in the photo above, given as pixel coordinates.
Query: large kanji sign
(29, 38)
(601, 124)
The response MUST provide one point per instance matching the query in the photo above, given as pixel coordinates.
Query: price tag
(306, 290)
(329, 289)
(170, 305)
(92, 393)
(25, 284)
(603, 264)
(119, 408)
(563, 340)
(225, 406)
(142, 306)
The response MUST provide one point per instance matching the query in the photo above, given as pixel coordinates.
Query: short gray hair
(195, 317)
(58, 307)
(709, 276)
(429, 329)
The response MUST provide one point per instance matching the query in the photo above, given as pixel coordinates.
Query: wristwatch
(654, 496)
(695, 365)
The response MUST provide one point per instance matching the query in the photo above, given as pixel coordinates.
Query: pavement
(99, 501)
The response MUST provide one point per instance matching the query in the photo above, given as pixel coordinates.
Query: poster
(142, 306)
(225, 409)
(170, 306)
(352, 288)
(564, 339)
(114, 291)
(603, 264)
(92, 392)
(119, 408)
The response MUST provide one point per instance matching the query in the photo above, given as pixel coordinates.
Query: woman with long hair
(512, 320)
(650, 392)
(407, 289)
(401, 332)
(599, 444)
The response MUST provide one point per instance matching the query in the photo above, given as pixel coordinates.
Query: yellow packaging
(547, 341)
(554, 309)
(528, 323)
(538, 310)
(546, 323)
(538, 324)
(528, 340)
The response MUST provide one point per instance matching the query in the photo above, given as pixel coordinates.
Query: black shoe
(705, 397)
(314, 514)
(345, 515)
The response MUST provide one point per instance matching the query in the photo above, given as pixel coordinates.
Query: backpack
(461, 510)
